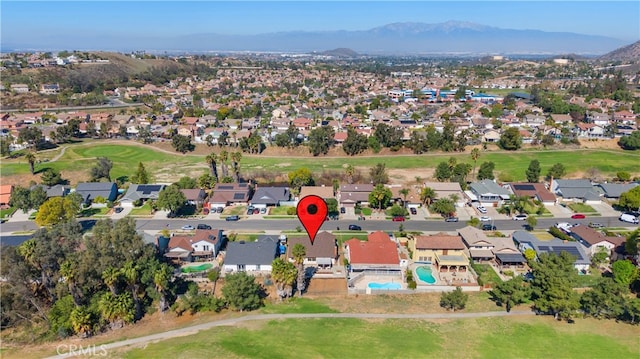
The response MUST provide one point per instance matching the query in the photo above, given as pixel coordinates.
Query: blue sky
(26, 20)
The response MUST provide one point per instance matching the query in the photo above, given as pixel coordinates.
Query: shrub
(291, 211)
(556, 232)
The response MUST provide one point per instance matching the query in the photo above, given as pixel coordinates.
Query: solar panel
(544, 248)
(225, 187)
(238, 195)
(524, 187)
(571, 250)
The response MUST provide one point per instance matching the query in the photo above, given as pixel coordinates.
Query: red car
(578, 216)
(398, 219)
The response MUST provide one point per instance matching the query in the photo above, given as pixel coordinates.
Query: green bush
(556, 232)
(291, 211)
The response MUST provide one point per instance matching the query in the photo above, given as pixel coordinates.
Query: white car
(520, 217)
(481, 209)
(485, 219)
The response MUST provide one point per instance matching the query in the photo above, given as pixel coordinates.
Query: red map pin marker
(312, 212)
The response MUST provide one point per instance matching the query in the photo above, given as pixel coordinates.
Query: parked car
(343, 210)
(232, 218)
(485, 219)
(413, 210)
(219, 209)
(596, 225)
(451, 219)
(398, 219)
(249, 211)
(118, 209)
(353, 227)
(481, 209)
(629, 218)
(520, 217)
(488, 227)
(203, 226)
(256, 210)
(578, 216)
(187, 227)
(263, 210)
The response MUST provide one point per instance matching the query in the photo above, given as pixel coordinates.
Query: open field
(513, 337)
(168, 166)
(510, 337)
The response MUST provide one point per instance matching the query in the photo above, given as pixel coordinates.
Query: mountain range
(407, 38)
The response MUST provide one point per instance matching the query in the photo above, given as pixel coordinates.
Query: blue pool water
(424, 274)
(388, 286)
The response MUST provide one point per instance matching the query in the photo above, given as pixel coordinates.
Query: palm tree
(212, 160)
(68, 272)
(161, 279)
(299, 252)
(131, 274)
(32, 160)
(224, 158)
(428, 195)
(111, 277)
(81, 321)
(404, 193)
(350, 171)
(475, 154)
(284, 275)
(236, 157)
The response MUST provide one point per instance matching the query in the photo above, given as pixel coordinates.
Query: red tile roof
(379, 249)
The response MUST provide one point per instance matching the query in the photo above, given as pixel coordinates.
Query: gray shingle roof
(614, 190)
(261, 252)
(270, 195)
(488, 186)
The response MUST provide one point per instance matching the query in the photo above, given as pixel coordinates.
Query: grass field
(514, 337)
(582, 208)
(171, 166)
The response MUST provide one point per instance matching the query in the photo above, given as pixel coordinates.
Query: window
(205, 248)
(241, 267)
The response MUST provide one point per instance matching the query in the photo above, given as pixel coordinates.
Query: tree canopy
(533, 171)
(171, 198)
(242, 292)
(102, 169)
(630, 199)
(510, 139)
(321, 139)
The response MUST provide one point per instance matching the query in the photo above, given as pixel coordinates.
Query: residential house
(499, 250)
(412, 198)
(195, 196)
(203, 245)
(225, 194)
(5, 195)
(491, 136)
(140, 193)
(89, 191)
(487, 192)
(575, 190)
(352, 194)
(378, 254)
(535, 191)
(54, 191)
(243, 256)
(322, 253)
(589, 130)
(525, 240)
(446, 190)
(594, 241)
(614, 190)
(444, 251)
(320, 191)
(270, 196)
(49, 89)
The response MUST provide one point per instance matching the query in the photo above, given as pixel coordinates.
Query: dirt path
(261, 317)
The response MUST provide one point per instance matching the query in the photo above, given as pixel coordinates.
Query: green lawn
(144, 210)
(7, 212)
(126, 157)
(582, 208)
(297, 305)
(530, 337)
(588, 280)
(486, 274)
(89, 212)
(279, 211)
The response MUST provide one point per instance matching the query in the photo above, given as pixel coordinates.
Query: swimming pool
(198, 268)
(425, 275)
(386, 286)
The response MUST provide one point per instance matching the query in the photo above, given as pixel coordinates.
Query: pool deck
(362, 283)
